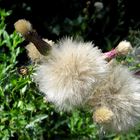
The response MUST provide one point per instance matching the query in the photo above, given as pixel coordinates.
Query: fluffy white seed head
(121, 94)
(23, 26)
(72, 70)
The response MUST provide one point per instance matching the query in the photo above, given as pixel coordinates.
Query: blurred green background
(24, 113)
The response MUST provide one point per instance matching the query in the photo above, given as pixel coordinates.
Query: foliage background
(56, 18)
(24, 114)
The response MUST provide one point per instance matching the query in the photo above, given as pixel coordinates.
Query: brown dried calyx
(25, 28)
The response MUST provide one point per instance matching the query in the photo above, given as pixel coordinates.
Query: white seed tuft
(23, 26)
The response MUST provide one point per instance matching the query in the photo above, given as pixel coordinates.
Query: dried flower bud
(23, 70)
(23, 26)
(102, 115)
(124, 48)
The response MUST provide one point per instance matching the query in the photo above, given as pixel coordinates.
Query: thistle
(73, 69)
(120, 94)
(123, 48)
(25, 28)
(75, 74)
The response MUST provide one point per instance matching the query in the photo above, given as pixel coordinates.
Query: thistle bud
(102, 115)
(123, 48)
(23, 26)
